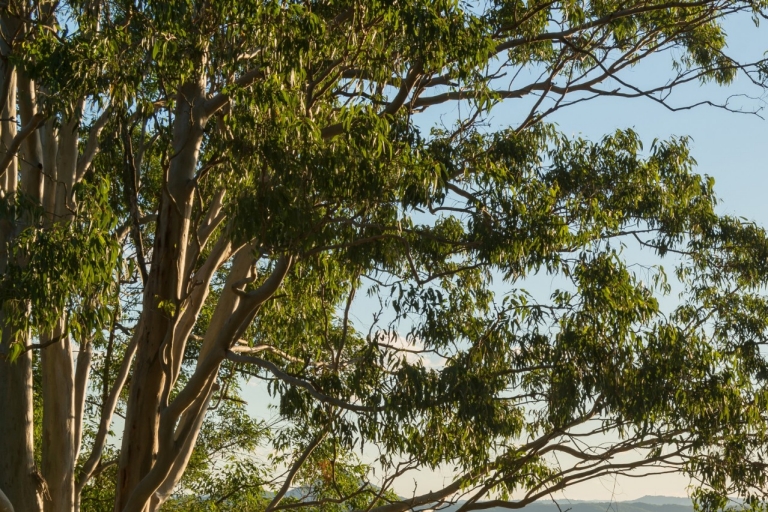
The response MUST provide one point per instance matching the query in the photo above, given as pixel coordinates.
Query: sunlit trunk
(225, 307)
(58, 442)
(153, 372)
(19, 478)
(59, 445)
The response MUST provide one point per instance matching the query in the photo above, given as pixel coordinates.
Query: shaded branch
(290, 379)
(295, 469)
(218, 101)
(13, 148)
(107, 412)
(92, 145)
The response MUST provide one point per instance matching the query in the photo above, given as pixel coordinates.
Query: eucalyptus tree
(197, 192)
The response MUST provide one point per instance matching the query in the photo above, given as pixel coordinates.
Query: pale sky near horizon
(727, 146)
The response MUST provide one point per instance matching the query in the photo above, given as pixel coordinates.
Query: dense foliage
(198, 193)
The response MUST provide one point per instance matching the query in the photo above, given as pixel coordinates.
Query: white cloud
(412, 348)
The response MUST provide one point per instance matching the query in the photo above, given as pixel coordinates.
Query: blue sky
(727, 146)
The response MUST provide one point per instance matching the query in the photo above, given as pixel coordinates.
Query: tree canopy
(194, 193)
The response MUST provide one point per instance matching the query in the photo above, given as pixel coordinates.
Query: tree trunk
(227, 304)
(58, 442)
(139, 444)
(152, 377)
(19, 478)
(59, 446)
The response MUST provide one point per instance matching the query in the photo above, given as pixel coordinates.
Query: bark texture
(58, 442)
(19, 478)
(157, 340)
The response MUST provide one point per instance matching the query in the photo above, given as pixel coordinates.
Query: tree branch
(25, 132)
(295, 469)
(92, 145)
(82, 373)
(215, 103)
(107, 412)
(290, 379)
(424, 499)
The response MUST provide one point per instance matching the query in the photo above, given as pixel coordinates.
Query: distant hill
(622, 506)
(663, 500)
(644, 504)
(659, 504)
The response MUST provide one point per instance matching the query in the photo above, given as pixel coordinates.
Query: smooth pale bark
(31, 161)
(92, 145)
(48, 168)
(48, 165)
(63, 388)
(58, 441)
(66, 166)
(194, 397)
(152, 376)
(8, 182)
(50, 138)
(229, 299)
(241, 267)
(60, 164)
(172, 443)
(19, 477)
(107, 412)
(187, 446)
(200, 288)
(82, 373)
(140, 443)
